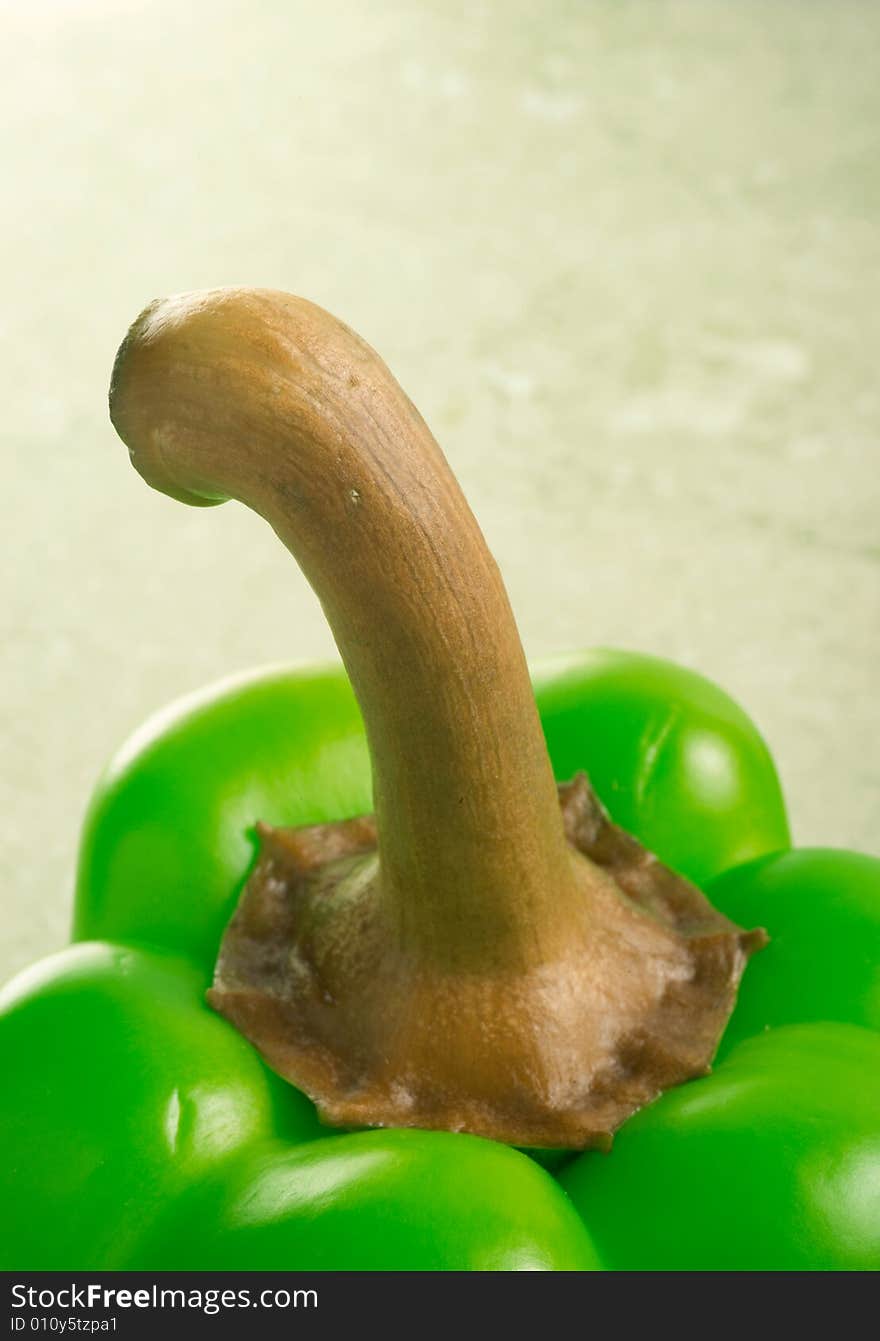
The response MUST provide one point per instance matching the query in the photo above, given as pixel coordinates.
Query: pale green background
(625, 258)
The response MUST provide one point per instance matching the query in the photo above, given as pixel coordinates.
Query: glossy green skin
(770, 1164)
(109, 1043)
(123, 1089)
(136, 1111)
(374, 1201)
(773, 1162)
(821, 908)
(169, 839)
(674, 759)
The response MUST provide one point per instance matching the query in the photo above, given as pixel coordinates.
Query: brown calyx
(556, 1056)
(477, 957)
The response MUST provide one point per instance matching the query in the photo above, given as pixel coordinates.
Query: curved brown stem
(266, 398)
(481, 974)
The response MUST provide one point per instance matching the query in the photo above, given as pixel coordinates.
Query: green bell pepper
(142, 1131)
(138, 1117)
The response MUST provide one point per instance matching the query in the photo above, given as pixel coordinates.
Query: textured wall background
(625, 258)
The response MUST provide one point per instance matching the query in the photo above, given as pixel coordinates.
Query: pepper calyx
(305, 973)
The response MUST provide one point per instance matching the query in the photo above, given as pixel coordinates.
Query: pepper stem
(465, 978)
